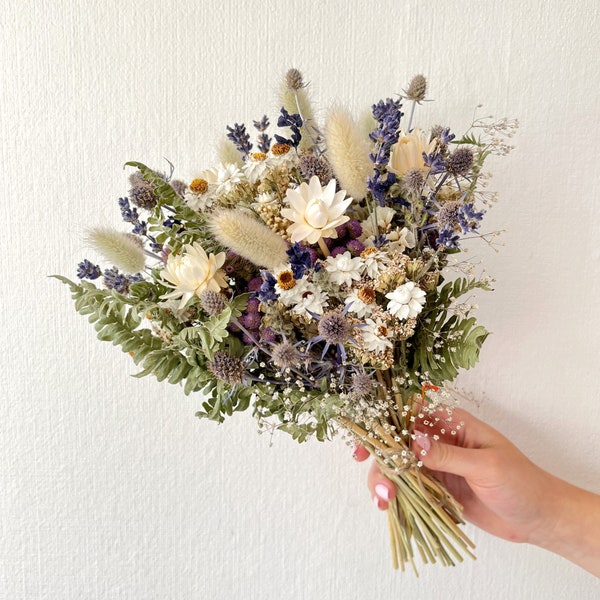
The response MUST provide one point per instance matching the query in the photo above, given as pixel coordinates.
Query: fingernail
(382, 491)
(422, 440)
(360, 453)
(379, 503)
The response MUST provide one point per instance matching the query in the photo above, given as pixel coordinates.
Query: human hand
(501, 490)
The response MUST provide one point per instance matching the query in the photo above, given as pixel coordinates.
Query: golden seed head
(366, 294)
(199, 186)
(368, 252)
(286, 280)
(258, 156)
(280, 149)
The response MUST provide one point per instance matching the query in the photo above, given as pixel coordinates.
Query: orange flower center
(286, 280)
(280, 149)
(199, 186)
(366, 295)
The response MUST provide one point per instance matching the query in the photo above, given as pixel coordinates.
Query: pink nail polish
(378, 502)
(382, 491)
(422, 440)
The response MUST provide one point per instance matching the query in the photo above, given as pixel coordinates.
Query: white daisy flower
(256, 166)
(343, 269)
(374, 336)
(361, 303)
(406, 301)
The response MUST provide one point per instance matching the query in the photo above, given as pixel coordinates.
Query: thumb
(447, 458)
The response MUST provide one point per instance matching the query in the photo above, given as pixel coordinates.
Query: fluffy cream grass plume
(228, 154)
(121, 249)
(248, 237)
(348, 152)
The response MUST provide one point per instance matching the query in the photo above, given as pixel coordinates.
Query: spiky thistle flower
(362, 386)
(122, 249)
(314, 165)
(460, 161)
(285, 355)
(226, 367)
(212, 302)
(249, 238)
(416, 89)
(348, 152)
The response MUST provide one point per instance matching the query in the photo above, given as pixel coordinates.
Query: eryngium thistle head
(227, 368)
(416, 88)
(362, 386)
(460, 161)
(334, 328)
(414, 180)
(313, 165)
(284, 355)
(179, 186)
(294, 79)
(141, 193)
(212, 302)
(447, 216)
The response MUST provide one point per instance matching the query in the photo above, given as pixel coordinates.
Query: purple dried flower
(334, 328)
(355, 247)
(338, 250)
(354, 228)
(88, 270)
(284, 355)
(213, 303)
(460, 161)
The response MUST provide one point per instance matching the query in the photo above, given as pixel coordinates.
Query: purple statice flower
(131, 215)
(264, 142)
(300, 260)
(435, 162)
(448, 239)
(294, 122)
(388, 115)
(267, 289)
(380, 184)
(253, 304)
(468, 218)
(267, 335)
(88, 270)
(341, 231)
(114, 280)
(240, 138)
(445, 136)
(262, 124)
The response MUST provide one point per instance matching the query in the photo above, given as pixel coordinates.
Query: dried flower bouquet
(312, 276)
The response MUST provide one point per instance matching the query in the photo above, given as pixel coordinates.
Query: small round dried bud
(294, 80)
(179, 186)
(460, 161)
(356, 247)
(199, 186)
(334, 327)
(284, 355)
(227, 368)
(416, 88)
(313, 165)
(213, 303)
(280, 149)
(362, 386)
(414, 180)
(143, 196)
(354, 228)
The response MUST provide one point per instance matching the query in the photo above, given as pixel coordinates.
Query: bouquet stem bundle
(423, 516)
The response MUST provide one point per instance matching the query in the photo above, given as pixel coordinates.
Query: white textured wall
(109, 487)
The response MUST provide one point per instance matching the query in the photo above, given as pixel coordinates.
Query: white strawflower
(361, 302)
(379, 221)
(374, 336)
(315, 211)
(192, 272)
(407, 152)
(256, 167)
(228, 175)
(299, 294)
(406, 301)
(343, 269)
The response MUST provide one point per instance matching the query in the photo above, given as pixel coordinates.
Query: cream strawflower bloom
(315, 211)
(407, 152)
(343, 269)
(406, 301)
(192, 272)
(374, 336)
